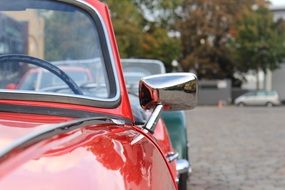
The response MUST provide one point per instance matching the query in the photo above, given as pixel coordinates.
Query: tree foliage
(259, 43)
(207, 30)
(127, 22)
(161, 12)
(222, 37)
(157, 44)
(139, 37)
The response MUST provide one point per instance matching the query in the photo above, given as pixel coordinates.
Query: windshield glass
(59, 33)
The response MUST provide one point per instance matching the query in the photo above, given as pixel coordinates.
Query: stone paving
(237, 148)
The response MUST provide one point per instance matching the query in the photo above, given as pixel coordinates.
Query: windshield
(59, 33)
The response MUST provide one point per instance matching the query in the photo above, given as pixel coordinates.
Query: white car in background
(259, 98)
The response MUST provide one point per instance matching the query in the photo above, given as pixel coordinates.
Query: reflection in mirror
(175, 91)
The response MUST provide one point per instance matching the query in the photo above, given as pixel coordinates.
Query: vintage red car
(88, 137)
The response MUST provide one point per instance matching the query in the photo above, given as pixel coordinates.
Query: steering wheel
(46, 65)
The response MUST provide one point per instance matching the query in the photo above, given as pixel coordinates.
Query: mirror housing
(175, 91)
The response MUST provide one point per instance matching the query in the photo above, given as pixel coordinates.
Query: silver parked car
(259, 98)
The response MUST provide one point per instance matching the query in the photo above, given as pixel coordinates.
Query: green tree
(128, 26)
(222, 37)
(260, 43)
(163, 13)
(158, 45)
(207, 33)
(138, 35)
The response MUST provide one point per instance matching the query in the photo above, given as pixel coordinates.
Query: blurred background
(234, 46)
(237, 50)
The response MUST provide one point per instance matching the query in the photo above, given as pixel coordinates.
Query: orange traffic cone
(220, 104)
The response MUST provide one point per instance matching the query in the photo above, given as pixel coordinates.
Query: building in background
(21, 34)
(277, 77)
(13, 38)
(35, 31)
(213, 92)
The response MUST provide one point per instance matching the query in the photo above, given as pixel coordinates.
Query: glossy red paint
(105, 156)
(163, 140)
(20, 124)
(104, 12)
(26, 118)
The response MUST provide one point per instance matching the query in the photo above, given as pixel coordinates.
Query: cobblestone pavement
(237, 148)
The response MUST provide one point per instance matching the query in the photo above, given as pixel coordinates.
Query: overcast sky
(278, 2)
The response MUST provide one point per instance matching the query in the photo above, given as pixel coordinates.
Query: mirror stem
(152, 121)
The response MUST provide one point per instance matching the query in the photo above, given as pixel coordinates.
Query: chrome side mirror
(174, 91)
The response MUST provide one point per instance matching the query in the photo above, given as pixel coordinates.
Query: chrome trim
(152, 121)
(75, 99)
(51, 97)
(172, 156)
(177, 179)
(183, 166)
(137, 139)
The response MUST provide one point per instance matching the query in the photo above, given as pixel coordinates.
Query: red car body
(94, 156)
(97, 155)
